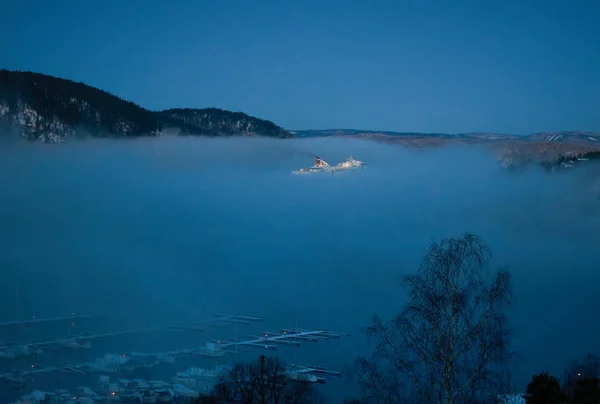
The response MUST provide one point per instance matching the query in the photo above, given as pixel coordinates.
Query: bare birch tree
(450, 344)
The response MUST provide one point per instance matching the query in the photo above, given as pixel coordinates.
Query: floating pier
(120, 364)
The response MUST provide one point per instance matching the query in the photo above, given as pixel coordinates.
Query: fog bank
(152, 230)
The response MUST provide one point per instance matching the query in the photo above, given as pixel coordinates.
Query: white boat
(310, 374)
(209, 349)
(202, 372)
(349, 164)
(321, 165)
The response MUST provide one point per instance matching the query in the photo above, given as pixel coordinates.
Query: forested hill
(214, 121)
(51, 109)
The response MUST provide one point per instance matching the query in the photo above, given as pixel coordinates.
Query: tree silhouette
(586, 391)
(581, 384)
(580, 376)
(264, 381)
(544, 389)
(450, 344)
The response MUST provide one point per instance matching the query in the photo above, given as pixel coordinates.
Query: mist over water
(167, 229)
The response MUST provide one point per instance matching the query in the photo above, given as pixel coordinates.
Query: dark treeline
(39, 104)
(579, 386)
(215, 122)
(451, 344)
(76, 105)
(261, 381)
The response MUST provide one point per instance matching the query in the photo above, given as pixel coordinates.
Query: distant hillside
(565, 137)
(51, 109)
(488, 136)
(548, 148)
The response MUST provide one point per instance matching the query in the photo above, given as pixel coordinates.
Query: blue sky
(422, 65)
